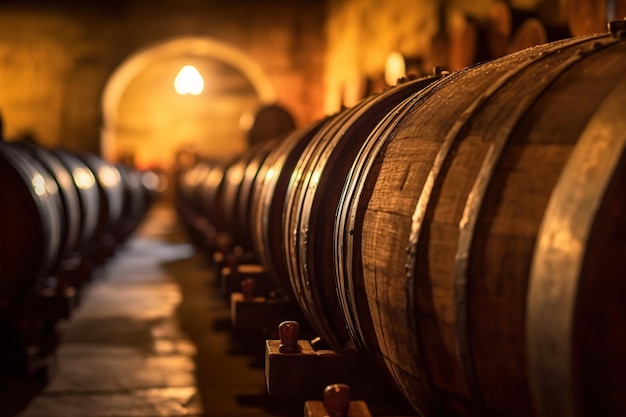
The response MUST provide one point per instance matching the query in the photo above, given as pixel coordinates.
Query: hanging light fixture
(189, 81)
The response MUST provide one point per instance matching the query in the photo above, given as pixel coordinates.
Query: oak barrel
(111, 190)
(313, 194)
(190, 198)
(243, 202)
(228, 190)
(210, 191)
(586, 17)
(70, 206)
(268, 200)
(480, 241)
(30, 224)
(88, 196)
(134, 204)
(190, 183)
(235, 188)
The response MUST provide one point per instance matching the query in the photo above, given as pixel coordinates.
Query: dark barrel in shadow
(30, 224)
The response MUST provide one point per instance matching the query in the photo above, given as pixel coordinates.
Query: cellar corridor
(151, 338)
(370, 208)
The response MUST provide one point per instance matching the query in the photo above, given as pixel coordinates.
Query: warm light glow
(395, 68)
(110, 177)
(237, 174)
(189, 81)
(150, 180)
(246, 121)
(39, 184)
(83, 178)
(315, 178)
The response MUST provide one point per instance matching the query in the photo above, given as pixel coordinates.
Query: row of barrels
(463, 232)
(62, 214)
(214, 196)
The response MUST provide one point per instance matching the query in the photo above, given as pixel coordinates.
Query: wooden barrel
(30, 224)
(531, 32)
(270, 121)
(189, 190)
(508, 27)
(268, 200)
(586, 17)
(234, 177)
(134, 202)
(233, 174)
(464, 40)
(190, 182)
(70, 205)
(197, 188)
(88, 196)
(210, 191)
(111, 198)
(312, 196)
(480, 247)
(243, 202)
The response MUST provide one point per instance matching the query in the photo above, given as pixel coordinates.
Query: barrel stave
(209, 190)
(88, 196)
(599, 340)
(324, 167)
(245, 195)
(409, 155)
(269, 200)
(296, 235)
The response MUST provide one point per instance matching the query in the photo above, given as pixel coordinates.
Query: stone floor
(152, 338)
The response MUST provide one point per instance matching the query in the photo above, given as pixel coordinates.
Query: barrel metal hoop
(345, 229)
(559, 255)
(347, 216)
(332, 147)
(296, 230)
(467, 225)
(346, 212)
(261, 205)
(264, 203)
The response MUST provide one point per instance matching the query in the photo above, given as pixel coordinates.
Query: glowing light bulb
(189, 81)
(395, 68)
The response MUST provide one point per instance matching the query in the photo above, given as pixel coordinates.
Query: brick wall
(56, 57)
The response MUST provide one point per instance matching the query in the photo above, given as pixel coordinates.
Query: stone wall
(56, 57)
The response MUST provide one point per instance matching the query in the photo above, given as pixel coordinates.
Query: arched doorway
(143, 116)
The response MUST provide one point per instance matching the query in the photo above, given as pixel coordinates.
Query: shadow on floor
(229, 368)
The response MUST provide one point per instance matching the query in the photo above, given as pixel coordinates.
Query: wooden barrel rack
(463, 235)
